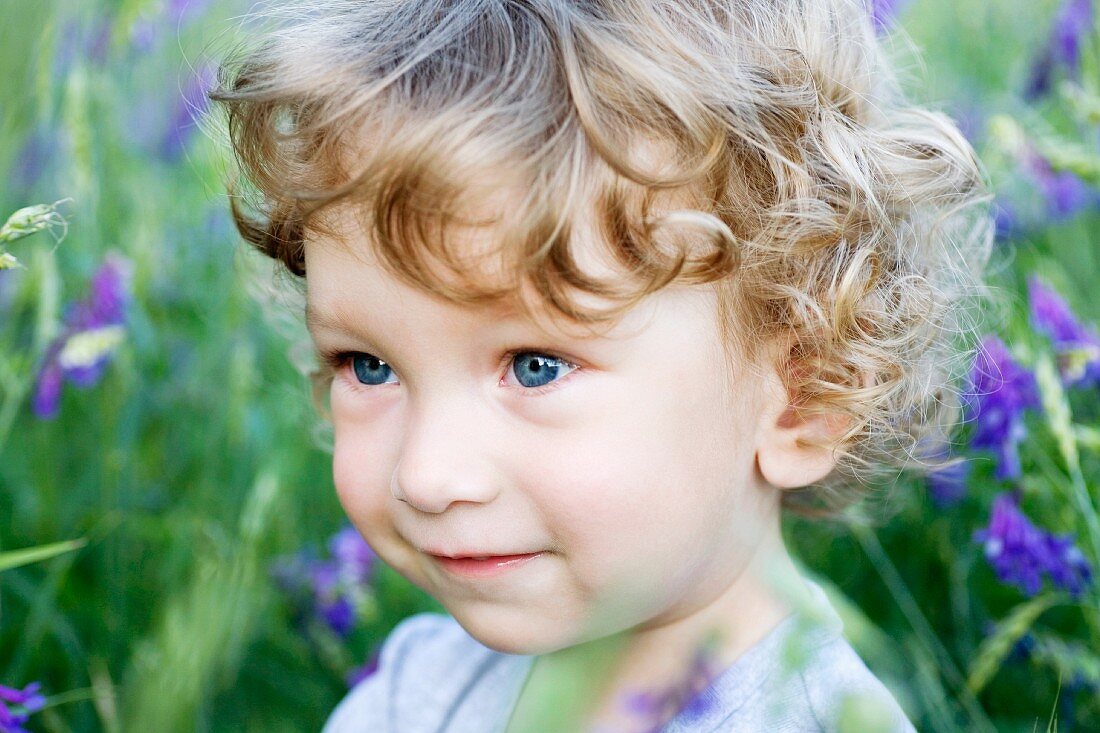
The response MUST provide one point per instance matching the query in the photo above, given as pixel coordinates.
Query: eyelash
(338, 362)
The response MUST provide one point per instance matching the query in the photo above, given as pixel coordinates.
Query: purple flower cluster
(1051, 196)
(1021, 553)
(16, 706)
(999, 392)
(1076, 345)
(1072, 26)
(331, 589)
(93, 329)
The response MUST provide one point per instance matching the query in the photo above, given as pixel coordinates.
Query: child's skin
(645, 472)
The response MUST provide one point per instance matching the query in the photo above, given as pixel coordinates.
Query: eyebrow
(316, 319)
(337, 322)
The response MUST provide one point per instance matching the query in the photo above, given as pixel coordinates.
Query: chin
(511, 631)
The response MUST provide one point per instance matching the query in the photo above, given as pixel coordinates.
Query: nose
(445, 458)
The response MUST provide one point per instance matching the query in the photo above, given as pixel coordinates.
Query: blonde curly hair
(760, 146)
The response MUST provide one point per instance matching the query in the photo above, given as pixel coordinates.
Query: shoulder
(808, 693)
(802, 677)
(428, 667)
(373, 703)
(835, 678)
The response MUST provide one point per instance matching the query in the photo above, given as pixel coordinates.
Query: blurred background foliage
(151, 406)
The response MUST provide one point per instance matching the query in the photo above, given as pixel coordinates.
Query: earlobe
(794, 449)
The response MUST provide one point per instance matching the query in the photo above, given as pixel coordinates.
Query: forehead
(349, 288)
(352, 302)
(480, 269)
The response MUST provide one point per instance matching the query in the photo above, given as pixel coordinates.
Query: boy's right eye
(370, 370)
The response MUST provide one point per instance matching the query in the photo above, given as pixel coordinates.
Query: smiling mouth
(483, 567)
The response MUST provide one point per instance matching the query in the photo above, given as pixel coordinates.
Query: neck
(590, 683)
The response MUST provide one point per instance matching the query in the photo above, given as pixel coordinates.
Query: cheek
(652, 485)
(642, 476)
(361, 475)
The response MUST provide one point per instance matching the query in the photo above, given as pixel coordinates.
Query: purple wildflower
(1072, 25)
(16, 706)
(93, 328)
(180, 11)
(883, 13)
(1077, 346)
(359, 674)
(1064, 192)
(353, 554)
(339, 614)
(109, 297)
(999, 392)
(190, 106)
(335, 588)
(1021, 553)
(47, 390)
(330, 596)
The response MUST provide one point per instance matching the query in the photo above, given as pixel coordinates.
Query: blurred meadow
(154, 418)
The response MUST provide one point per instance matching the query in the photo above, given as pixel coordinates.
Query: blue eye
(532, 370)
(370, 370)
(537, 370)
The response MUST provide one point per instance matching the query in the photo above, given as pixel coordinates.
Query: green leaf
(1088, 437)
(31, 219)
(17, 558)
(1057, 409)
(1084, 102)
(997, 645)
(1060, 421)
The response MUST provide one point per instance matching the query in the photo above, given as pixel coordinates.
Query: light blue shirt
(433, 677)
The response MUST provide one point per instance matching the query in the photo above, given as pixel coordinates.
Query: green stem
(9, 408)
(925, 634)
(1060, 420)
(45, 328)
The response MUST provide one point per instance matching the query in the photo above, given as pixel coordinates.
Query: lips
(484, 566)
(476, 555)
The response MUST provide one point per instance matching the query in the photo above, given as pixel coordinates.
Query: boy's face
(622, 465)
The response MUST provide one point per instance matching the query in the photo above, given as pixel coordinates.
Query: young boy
(600, 286)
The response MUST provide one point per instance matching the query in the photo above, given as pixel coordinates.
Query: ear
(793, 448)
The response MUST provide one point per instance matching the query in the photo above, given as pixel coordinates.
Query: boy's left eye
(370, 370)
(532, 369)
